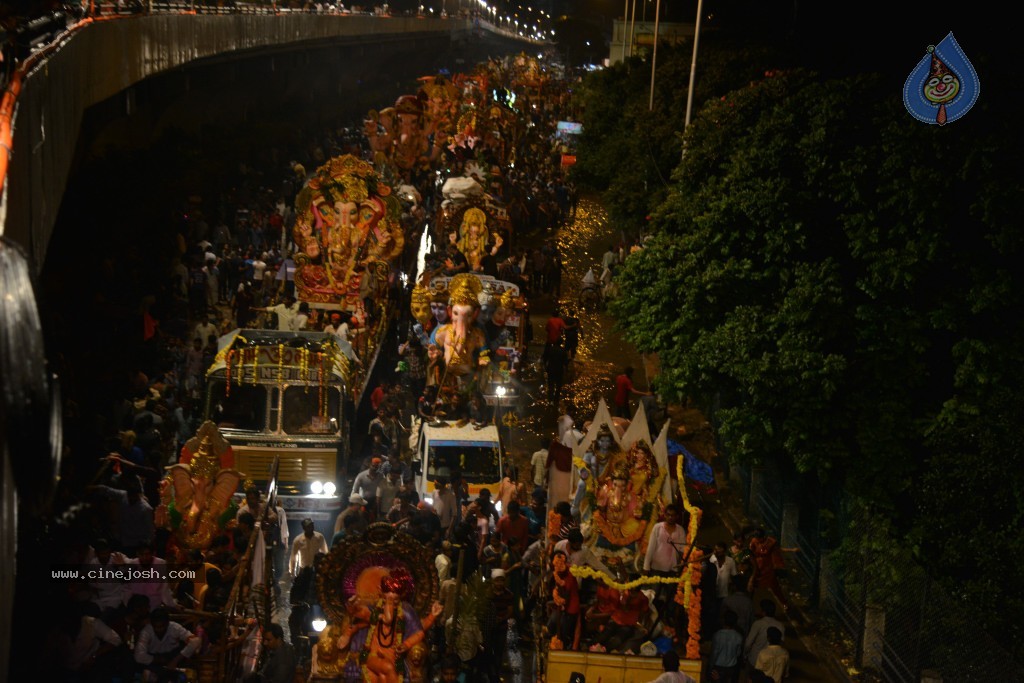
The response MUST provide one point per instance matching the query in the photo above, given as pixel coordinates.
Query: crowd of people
(233, 267)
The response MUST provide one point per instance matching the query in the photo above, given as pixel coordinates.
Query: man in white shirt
(672, 674)
(366, 484)
(387, 490)
(163, 643)
(156, 589)
(571, 437)
(443, 562)
(94, 640)
(305, 548)
(666, 544)
(204, 329)
(726, 567)
(445, 505)
(774, 659)
(578, 556)
(301, 319)
(286, 313)
(258, 266)
(757, 639)
(610, 258)
(108, 592)
(539, 464)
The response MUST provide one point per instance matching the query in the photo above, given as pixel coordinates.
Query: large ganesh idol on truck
(348, 231)
(461, 339)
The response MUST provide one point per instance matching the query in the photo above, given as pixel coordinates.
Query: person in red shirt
(767, 558)
(514, 529)
(553, 331)
(623, 389)
(624, 631)
(378, 395)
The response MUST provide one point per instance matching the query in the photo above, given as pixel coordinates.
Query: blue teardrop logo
(943, 86)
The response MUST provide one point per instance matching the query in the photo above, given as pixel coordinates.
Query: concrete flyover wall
(98, 59)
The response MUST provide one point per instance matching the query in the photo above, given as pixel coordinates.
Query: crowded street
(428, 344)
(550, 390)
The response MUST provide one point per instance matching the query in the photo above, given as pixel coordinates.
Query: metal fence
(884, 613)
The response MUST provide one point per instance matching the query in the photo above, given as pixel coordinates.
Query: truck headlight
(317, 487)
(329, 488)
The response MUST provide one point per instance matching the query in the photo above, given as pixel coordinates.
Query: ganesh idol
(461, 339)
(473, 237)
(347, 223)
(392, 631)
(619, 514)
(411, 143)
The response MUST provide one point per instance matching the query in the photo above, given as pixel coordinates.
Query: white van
(445, 448)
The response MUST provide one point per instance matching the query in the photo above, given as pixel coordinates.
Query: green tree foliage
(628, 150)
(842, 283)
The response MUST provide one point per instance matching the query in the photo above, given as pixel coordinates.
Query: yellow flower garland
(692, 573)
(280, 366)
(585, 572)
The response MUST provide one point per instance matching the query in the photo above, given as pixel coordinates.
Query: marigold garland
(693, 611)
(227, 372)
(280, 365)
(320, 395)
(255, 366)
(692, 573)
(585, 572)
(304, 367)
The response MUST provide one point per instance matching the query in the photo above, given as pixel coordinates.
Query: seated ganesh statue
(347, 230)
(621, 500)
(379, 594)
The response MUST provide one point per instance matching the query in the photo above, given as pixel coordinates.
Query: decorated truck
(620, 484)
(283, 394)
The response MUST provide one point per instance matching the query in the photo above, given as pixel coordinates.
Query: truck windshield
(302, 412)
(478, 464)
(245, 408)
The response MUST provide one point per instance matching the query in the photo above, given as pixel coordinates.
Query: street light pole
(632, 24)
(625, 16)
(654, 53)
(693, 75)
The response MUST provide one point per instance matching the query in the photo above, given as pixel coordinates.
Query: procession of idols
(620, 483)
(379, 593)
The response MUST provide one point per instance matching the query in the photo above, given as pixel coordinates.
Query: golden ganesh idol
(619, 514)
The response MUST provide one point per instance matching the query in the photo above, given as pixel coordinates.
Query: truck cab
(445, 448)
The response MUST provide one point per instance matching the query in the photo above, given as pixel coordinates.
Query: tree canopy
(841, 283)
